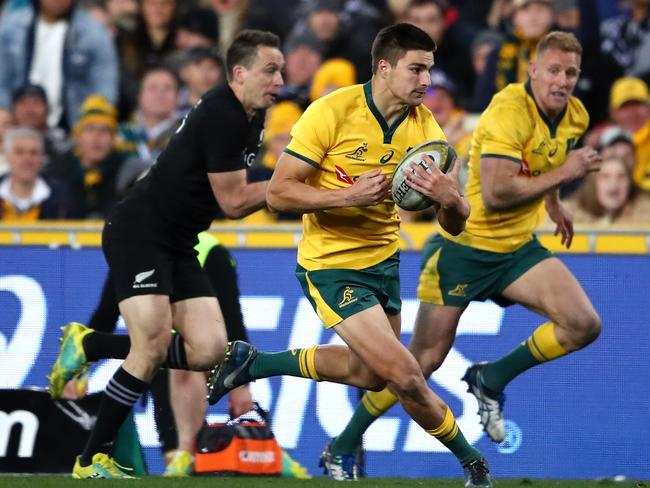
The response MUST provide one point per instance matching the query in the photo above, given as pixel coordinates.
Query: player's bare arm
(235, 196)
(452, 208)
(288, 190)
(505, 187)
(560, 216)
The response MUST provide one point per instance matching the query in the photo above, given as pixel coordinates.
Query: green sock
(463, 450)
(372, 406)
(295, 362)
(498, 374)
(450, 435)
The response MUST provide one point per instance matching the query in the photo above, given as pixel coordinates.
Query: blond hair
(562, 41)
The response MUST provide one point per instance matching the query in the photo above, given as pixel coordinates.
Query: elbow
(234, 209)
(274, 201)
(491, 203)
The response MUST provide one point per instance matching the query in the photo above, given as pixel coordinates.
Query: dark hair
(243, 49)
(393, 41)
(159, 69)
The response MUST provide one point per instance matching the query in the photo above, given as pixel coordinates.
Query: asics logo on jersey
(341, 175)
(387, 157)
(459, 290)
(357, 154)
(348, 297)
(145, 275)
(540, 149)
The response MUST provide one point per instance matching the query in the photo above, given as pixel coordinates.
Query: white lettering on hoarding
(29, 429)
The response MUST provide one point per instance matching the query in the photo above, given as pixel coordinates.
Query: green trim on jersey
(303, 158)
(388, 131)
(552, 124)
(501, 156)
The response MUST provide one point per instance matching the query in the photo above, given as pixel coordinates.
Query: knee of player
(429, 360)
(586, 327)
(155, 348)
(408, 379)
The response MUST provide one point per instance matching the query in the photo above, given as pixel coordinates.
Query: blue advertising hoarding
(583, 416)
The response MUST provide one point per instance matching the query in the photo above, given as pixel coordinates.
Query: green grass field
(154, 481)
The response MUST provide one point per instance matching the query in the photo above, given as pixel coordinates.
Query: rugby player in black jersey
(149, 237)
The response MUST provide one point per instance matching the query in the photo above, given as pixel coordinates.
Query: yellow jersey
(344, 135)
(513, 127)
(641, 171)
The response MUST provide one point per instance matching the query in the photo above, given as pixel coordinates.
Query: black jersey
(175, 200)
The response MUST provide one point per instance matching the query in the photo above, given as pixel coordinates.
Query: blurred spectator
(5, 123)
(333, 74)
(264, 16)
(97, 10)
(473, 12)
(155, 120)
(627, 38)
(440, 99)
(231, 14)
(30, 110)
(499, 14)
(197, 28)
(123, 13)
(532, 19)
(302, 62)
(147, 46)
(617, 143)
(93, 170)
(629, 108)
(335, 34)
(199, 71)
(598, 70)
(453, 38)
(280, 119)
(609, 196)
(484, 43)
(25, 195)
(63, 49)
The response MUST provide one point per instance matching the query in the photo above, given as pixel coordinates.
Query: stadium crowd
(92, 90)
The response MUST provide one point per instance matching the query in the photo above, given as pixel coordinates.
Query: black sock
(121, 393)
(176, 357)
(99, 345)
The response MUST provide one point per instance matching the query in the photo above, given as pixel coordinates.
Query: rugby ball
(405, 196)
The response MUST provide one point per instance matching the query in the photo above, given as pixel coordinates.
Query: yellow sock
(378, 402)
(543, 343)
(450, 435)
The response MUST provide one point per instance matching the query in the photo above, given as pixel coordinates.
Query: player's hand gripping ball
(405, 196)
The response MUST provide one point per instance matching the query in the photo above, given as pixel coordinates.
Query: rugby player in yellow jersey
(335, 170)
(521, 153)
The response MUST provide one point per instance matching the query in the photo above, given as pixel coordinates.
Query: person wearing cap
(26, 195)
(199, 70)
(59, 46)
(93, 170)
(333, 74)
(508, 63)
(30, 109)
(615, 142)
(628, 102)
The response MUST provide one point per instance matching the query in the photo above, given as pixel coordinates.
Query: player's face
(553, 77)
(263, 80)
(409, 79)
